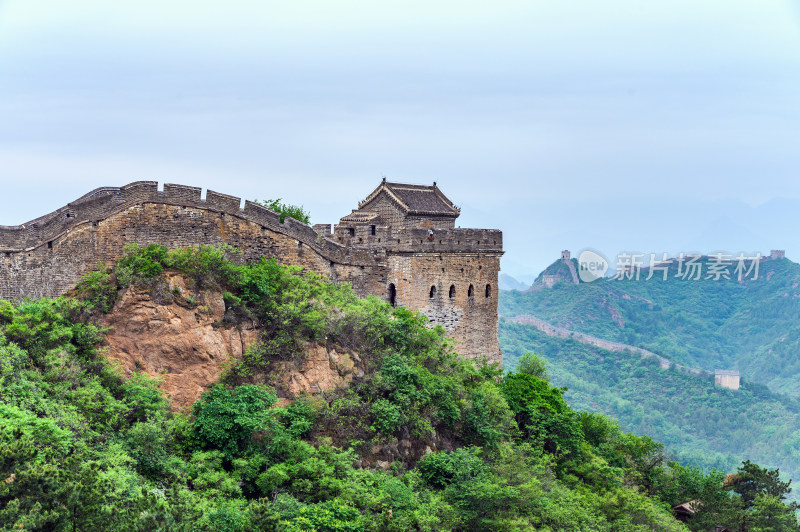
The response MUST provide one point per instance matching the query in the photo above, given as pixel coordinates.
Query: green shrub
(386, 416)
(286, 209)
(227, 420)
(140, 264)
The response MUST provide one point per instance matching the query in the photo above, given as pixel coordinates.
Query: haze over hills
(752, 325)
(656, 225)
(506, 282)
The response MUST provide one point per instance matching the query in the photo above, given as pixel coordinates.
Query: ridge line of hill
(562, 332)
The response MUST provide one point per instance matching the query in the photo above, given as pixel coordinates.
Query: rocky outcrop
(318, 370)
(180, 337)
(175, 336)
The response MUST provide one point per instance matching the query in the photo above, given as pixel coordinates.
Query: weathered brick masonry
(451, 277)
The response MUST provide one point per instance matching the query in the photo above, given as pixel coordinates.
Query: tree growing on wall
(286, 209)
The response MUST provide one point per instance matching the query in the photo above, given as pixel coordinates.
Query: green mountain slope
(701, 424)
(753, 325)
(422, 440)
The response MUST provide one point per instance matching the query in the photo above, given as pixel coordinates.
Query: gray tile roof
(416, 199)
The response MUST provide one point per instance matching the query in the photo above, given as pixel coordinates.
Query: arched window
(452, 290)
(488, 290)
(471, 291)
(392, 294)
(433, 292)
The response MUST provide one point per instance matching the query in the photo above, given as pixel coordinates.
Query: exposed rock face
(319, 370)
(175, 341)
(177, 337)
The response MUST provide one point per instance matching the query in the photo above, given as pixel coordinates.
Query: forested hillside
(700, 424)
(752, 325)
(82, 448)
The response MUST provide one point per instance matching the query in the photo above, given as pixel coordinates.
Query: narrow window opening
(488, 290)
(392, 294)
(452, 290)
(352, 231)
(471, 291)
(50, 245)
(433, 292)
(372, 230)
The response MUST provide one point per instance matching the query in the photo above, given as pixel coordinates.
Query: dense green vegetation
(753, 326)
(700, 424)
(82, 448)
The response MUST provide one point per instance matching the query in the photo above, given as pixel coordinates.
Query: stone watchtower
(449, 274)
(400, 244)
(727, 378)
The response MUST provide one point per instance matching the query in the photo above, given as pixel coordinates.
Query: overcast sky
(616, 125)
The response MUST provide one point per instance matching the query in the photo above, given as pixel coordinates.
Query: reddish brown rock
(180, 339)
(178, 342)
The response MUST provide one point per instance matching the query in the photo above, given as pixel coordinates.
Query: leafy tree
(533, 364)
(228, 420)
(751, 480)
(286, 209)
(542, 413)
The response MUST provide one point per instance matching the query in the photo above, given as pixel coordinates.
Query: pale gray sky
(647, 126)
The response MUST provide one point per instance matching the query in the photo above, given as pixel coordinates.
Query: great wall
(616, 347)
(400, 244)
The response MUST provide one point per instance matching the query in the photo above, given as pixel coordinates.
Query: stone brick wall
(46, 257)
(561, 332)
(469, 316)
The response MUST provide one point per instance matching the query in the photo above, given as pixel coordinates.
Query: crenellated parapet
(421, 240)
(105, 202)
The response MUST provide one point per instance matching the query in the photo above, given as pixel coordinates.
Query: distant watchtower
(777, 254)
(727, 378)
(565, 255)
